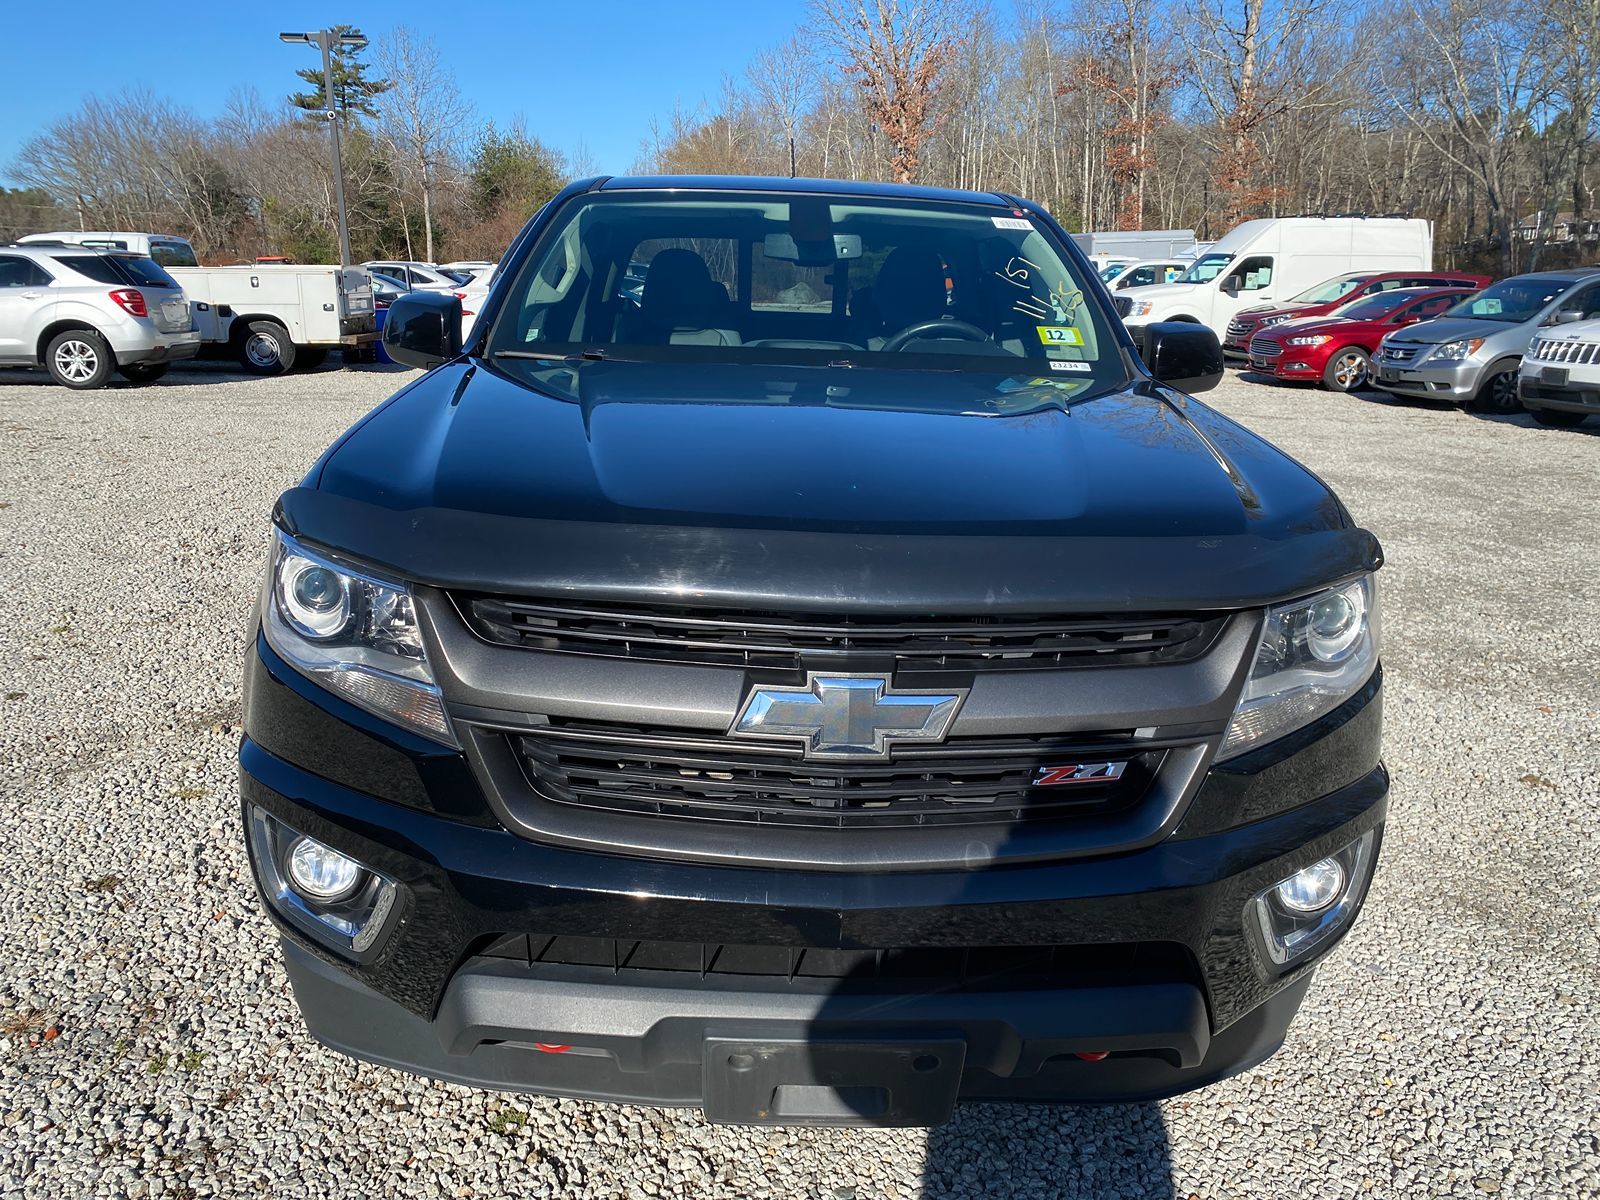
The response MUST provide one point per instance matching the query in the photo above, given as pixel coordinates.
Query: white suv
(1558, 380)
(82, 313)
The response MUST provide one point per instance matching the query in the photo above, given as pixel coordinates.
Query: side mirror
(423, 329)
(1183, 355)
(1231, 285)
(1566, 316)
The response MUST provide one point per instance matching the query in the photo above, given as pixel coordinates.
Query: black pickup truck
(798, 659)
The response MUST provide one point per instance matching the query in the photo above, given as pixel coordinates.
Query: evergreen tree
(353, 92)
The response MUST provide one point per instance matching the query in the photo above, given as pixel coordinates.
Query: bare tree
(1467, 77)
(897, 51)
(783, 80)
(422, 117)
(1250, 62)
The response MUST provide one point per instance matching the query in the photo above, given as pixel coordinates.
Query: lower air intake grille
(968, 967)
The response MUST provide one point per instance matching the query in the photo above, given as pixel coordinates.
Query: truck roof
(764, 183)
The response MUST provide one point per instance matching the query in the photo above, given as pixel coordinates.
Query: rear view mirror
(1183, 355)
(423, 329)
(816, 254)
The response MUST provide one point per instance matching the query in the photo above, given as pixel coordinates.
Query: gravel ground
(149, 1045)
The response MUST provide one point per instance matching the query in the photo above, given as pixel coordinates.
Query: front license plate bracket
(832, 1081)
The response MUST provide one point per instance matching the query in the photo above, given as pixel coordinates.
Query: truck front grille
(975, 968)
(797, 641)
(706, 776)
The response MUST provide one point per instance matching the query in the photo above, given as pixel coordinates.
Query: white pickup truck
(275, 317)
(271, 317)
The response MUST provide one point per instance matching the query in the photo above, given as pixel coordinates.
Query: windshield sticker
(1038, 299)
(1059, 335)
(1071, 366)
(1012, 223)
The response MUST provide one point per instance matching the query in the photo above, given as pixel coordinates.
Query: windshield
(742, 277)
(1512, 301)
(1206, 268)
(1330, 289)
(1108, 273)
(1373, 308)
(173, 254)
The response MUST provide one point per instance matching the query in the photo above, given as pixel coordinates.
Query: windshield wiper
(592, 354)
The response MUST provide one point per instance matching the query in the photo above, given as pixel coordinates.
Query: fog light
(1312, 889)
(1307, 910)
(325, 894)
(321, 872)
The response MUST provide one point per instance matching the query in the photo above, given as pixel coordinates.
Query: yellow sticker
(1059, 335)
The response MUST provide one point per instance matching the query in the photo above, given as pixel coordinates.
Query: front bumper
(1575, 395)
(1191, 996)
(1457, 382)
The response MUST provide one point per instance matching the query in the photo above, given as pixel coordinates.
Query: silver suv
(1471, 353)
(82, 313)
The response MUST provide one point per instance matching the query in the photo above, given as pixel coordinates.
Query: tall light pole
(326, 40)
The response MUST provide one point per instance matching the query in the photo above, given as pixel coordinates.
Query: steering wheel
(939, 325)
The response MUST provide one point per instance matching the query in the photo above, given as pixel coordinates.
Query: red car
(1334, 349)
(1330, 294)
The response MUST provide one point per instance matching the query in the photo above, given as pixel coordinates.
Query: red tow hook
(1093, 1055)
(551, 1047)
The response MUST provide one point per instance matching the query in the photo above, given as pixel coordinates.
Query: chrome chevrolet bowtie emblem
(848, 716)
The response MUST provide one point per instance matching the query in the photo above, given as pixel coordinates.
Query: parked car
(418, 277)
(1335, 350)
(81, 313)
(1470, 354)
(1144, 273)
(474, 296)
(1333, 293)
(1108, 268)
(386, 289)
(816, 713)
(466, 271)
(1559, 378)
(1272, 258)
(167, 249)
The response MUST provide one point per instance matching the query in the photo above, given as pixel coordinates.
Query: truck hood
(1161, 291)
(745, 482)
(1449, 329)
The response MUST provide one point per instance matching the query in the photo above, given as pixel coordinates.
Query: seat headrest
(679, 292)
(909, 287)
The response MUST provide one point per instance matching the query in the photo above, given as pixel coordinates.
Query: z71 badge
(1099, 772)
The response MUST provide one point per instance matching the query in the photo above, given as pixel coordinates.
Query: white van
(168, 249)
(1275, 258)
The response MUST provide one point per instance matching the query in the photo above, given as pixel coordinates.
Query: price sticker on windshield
(1059, 335)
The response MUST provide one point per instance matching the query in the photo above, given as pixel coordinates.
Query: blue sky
(592, 72)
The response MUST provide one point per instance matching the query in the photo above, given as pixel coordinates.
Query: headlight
(353, 633)
(1273, 320)
(1456, 351)
(1310, 339)
(1142, 308)
(1313, 654)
